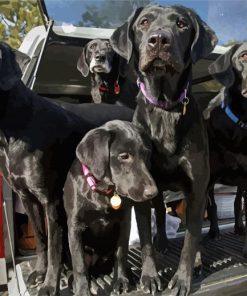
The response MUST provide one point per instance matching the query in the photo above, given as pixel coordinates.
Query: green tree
(17, 18)
(109, 13)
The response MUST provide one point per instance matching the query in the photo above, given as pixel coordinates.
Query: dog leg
(214, 231)
(121, 281)
(35, 213)
(161, 243)
(245, 212)
(239, 226)
(180, 284)
(80, 281)
(54, 216)
(150, 280)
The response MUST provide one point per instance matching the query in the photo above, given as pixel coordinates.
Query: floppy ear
(122, 38)
(94, 151)
(221, 69)
(82, 65)
(205, 38)
(10, 71)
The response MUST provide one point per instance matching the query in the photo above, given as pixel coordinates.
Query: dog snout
(158, 40)
(100, 58)
(150, 191)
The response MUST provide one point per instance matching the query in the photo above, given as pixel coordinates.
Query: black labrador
(108, 72)
(227, 128)
(164, 41)
(37, 146)
(117, 155)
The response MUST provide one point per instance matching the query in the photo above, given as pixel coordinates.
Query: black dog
(37, 146)
(165, 41)
(108, 72)
(227, 127)
(117, 154)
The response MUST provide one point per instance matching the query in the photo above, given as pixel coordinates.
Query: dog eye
(124, 156)
(244, 57)
(181, 23)
(144, 22)
(93, 46)
(108, 45)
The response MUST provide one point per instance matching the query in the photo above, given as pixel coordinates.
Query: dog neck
(237, 103)
(167, 91)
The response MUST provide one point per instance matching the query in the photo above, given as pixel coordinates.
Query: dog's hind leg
(161, 243)
(54, 214)
(245, 212)
(35, 213)
(214, 231)
(239, 226)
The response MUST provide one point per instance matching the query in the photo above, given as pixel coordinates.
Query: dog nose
(157, 40)
(150, 192)
(100, 58)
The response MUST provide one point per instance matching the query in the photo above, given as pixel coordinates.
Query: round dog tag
(116, 201)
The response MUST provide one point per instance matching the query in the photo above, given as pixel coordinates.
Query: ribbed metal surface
(224, 269)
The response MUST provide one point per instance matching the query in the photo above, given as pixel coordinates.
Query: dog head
(163, 39)
(120, 152)
(96, 57)
(230, 69)
(10, 72)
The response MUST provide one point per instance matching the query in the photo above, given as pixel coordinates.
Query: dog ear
(10, 71)
(205, 38)
(221, 68)
(94, 151)
(122, 38)
(82, 65)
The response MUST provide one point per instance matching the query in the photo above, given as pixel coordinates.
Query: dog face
(230, 69)
(164, 39)
(119, 151)
(96, 57)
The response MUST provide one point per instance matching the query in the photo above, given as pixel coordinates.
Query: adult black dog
(108, 72)
(37, 146)
(165, 41)
(227, 127)
(117, 154)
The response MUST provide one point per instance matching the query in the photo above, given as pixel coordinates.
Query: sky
(228, 18)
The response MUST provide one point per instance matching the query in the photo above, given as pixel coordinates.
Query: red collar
(104, 88)
(92, 182)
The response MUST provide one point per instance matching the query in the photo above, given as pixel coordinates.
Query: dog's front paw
(150, 284)
(120, 286)
(179, 285)
(239, 229)
(48, 290)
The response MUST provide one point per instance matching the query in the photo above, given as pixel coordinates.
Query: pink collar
(166, 105)
(92, 182)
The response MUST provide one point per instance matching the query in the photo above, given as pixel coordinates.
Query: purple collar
(166, 105)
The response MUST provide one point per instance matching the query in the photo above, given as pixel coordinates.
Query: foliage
(17, 17)
(110, 13)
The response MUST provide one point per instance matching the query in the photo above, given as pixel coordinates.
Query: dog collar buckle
(116, 88)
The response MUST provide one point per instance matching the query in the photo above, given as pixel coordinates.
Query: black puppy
(164, 42)
(37, 146)
(108, 72)
(117, 154)
(227, 127)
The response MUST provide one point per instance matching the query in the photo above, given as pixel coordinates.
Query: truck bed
(224, 269)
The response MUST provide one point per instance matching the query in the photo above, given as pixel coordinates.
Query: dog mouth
(158, 65)
(101, 69)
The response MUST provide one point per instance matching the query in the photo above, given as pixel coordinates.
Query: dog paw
(161, 244)
(35, 278)
(46, 290)
(179, 285)
(239, 230)
(150, 285)
(211, 235)
(120, 286)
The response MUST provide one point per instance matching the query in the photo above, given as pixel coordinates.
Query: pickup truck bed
(224, 269)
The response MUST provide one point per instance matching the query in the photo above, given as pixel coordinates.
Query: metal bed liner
(224, 269)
